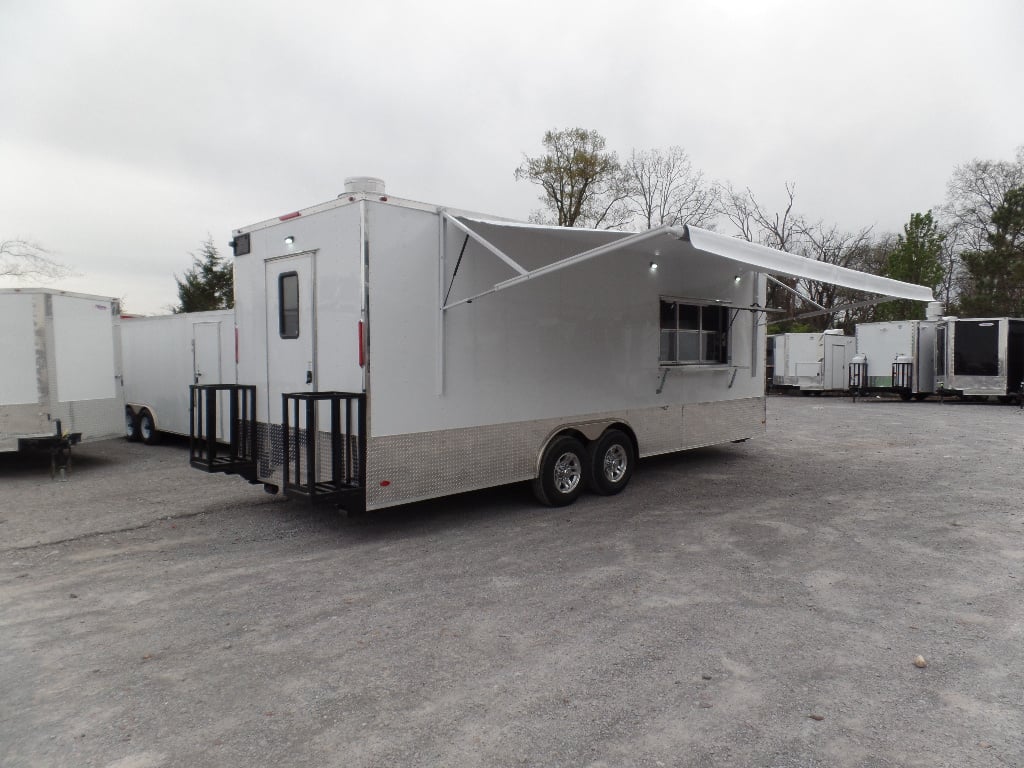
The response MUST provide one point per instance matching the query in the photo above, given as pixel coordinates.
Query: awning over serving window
(507, 240)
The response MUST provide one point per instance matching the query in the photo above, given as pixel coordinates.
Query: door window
(288, 305)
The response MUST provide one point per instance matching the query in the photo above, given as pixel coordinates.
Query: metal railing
(233, 453)
(325, 461)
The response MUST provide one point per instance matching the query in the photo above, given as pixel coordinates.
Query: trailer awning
(507, 240)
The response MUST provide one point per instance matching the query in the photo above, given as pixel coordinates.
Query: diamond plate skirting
(431, 464)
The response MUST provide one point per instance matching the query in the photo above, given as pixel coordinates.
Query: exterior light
(737, 279)
(654, 266)
(289, 240)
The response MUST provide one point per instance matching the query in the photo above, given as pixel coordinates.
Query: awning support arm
(485, 243)
(844, 307)
(796, 293)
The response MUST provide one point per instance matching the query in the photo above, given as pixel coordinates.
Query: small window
(288, 305)
(693, 333)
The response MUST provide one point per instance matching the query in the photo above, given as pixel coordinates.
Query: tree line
(969, 249)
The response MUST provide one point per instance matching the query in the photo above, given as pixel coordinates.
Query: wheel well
(152, 414)
(575, 432)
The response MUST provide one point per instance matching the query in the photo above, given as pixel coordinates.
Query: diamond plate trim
(432, 464)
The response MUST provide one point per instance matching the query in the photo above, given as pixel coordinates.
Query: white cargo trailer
(811, 362)
(60, 368)
(163, 356)
(980, 357)
(392, 351)
(895, 356)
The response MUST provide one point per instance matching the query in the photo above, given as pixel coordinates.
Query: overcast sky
(132, 129)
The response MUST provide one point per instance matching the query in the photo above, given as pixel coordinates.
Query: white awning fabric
(507, 239)
(781, 263)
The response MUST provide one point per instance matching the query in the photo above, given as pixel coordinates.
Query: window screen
(288, 305)
(693, 333)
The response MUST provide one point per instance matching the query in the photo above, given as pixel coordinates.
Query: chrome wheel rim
(568, 472)
(615, 463)
(129, 424)
(145, 427)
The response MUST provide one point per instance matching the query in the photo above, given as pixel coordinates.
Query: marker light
(289, 240)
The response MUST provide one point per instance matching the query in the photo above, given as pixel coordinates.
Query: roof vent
(370, 185)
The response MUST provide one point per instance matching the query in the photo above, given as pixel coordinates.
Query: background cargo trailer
(61, 365)
(811, 362)
(392, 351)
(896, 356)
(163, 356)
(980, 357)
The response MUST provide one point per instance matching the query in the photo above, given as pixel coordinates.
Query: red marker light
(362, 351)
(287, 216)
(385, 483)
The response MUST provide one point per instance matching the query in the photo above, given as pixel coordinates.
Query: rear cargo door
(291, 329)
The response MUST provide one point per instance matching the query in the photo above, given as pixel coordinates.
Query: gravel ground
(758, 604)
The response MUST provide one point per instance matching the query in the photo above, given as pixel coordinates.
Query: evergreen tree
(995, 275)
(209, 284)
(916, 258)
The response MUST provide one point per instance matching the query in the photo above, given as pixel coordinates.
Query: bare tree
(664, 188)
(574, 171)
(780, 229)
(974, 194)
(23, 260)
(829, 244)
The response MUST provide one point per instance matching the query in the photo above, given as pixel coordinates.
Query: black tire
(610, 461)
(919, 396)
(131, 425)
(905, 396)
(147, 428)
(562, 472)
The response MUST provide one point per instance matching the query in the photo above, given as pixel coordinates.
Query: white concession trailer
(811, 362)
(895, 356)
(392, 351)
(163, 356)
(60, 368)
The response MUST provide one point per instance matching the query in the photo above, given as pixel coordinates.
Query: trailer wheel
(905, 396)
(131, 425)
(147, 428)
(561, 477)
(919, 396)
(610, 462)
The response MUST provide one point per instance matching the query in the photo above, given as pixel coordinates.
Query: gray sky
(131, 129)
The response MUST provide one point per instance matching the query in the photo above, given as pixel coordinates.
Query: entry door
(291, 331)
(206, 356)
(838, 367)
(206, 353)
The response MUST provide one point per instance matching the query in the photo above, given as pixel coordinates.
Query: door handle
(309, 377)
